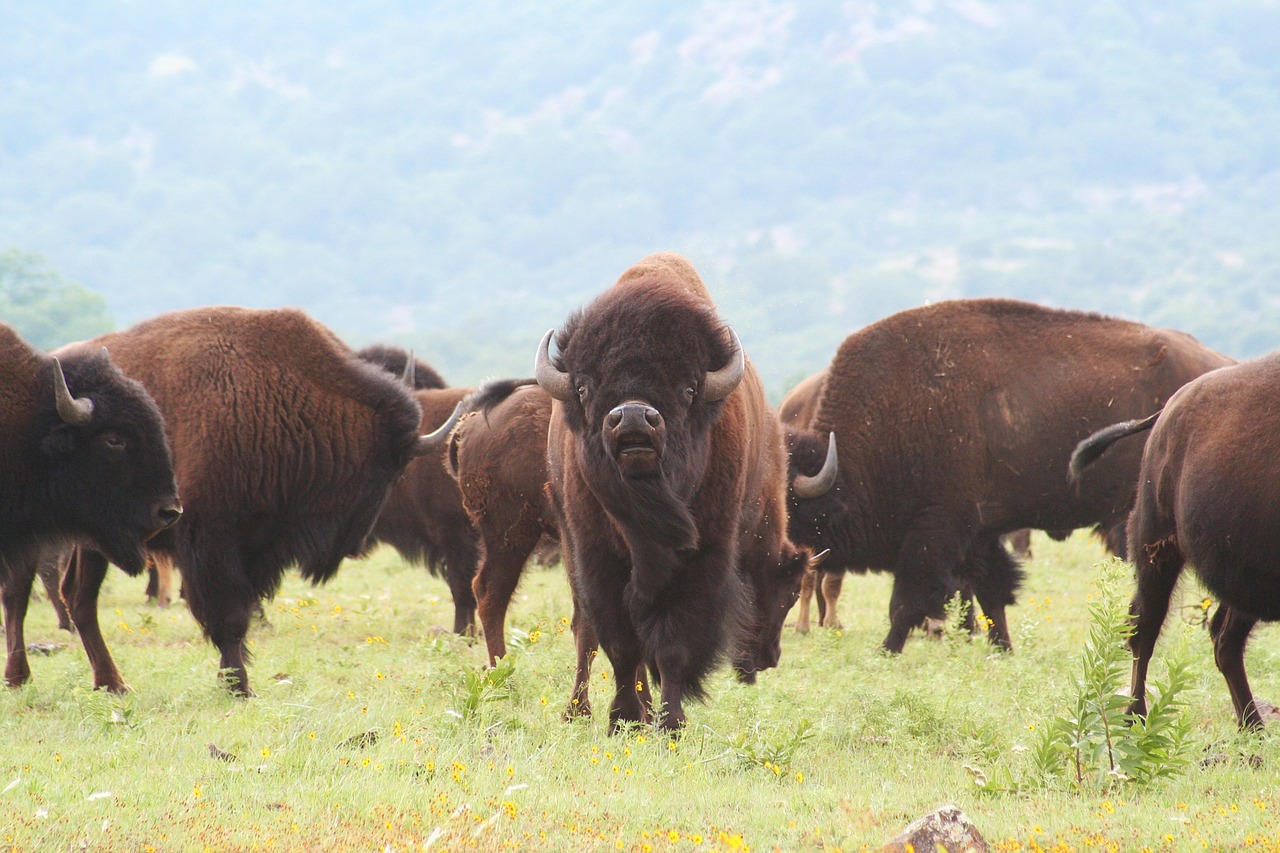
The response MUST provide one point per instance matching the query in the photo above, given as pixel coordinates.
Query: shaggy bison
(954, 421)
(498, 454)
(83, 459)
(1207, 495)
(666, 472)
(423, 518)
(285, 446)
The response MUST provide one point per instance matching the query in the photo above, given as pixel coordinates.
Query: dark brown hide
(424, 520)
(660, 491)
(498, 453)
(394, 360)
(1208, 492)
(954, 422)
(285, 446)
(94, 468)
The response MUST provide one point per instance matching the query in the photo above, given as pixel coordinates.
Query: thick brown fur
(654, 552)
(424, 519)
(108, 482)
(393, 359)
(498, 453)
(1208, 493)
(285, 446)
(955, 422)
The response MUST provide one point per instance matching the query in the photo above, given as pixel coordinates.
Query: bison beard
(650, 503)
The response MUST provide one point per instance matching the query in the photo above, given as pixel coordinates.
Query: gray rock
(947, 829)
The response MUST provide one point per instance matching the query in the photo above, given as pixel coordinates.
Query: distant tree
(45, 308)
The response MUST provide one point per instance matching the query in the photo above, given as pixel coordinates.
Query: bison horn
(409, 377)
(75, 412)
(553, 380)
(819, 558)
(720, 383)
(432, 440)
(807, 487)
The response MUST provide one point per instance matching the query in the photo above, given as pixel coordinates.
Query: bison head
(817, 515)
(108, 461)
(643, 375)
(773, 594)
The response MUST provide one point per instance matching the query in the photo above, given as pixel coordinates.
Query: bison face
(109, 466)
(817, 514)
(772, 595)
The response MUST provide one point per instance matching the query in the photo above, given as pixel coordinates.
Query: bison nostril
(652, 416)
(169, 515)
(614, 418)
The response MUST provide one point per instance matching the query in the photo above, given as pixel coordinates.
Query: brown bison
(83, 459)
(666, 472)
(423, 518)
(1207, 495)
(285, 446)
(954, 421)
(498, 454)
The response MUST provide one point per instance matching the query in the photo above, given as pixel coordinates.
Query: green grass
(372, 731)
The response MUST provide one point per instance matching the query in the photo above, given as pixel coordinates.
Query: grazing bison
(285, 446)
(83, 459)
(423, 518)
(668, 479)
(498, 454)
(954, 421)
(1208, 492)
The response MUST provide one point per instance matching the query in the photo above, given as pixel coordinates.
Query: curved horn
(720, 383)
(410, 375)
(807, 487)
(433, 440)
(73, 411)
(819, 558)
(554, 381)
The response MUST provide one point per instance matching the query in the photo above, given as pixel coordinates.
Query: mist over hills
(458, 178)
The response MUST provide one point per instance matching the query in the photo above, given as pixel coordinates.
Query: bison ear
(60, 441)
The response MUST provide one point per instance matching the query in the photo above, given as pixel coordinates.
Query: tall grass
(375, 729)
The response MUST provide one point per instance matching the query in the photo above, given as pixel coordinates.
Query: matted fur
(285, 446)
(955, 422)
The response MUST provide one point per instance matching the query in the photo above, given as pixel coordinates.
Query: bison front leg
(16, 596)
(831, 583)
(923, 577)
(586, 646)
(80, 588)
(808, 583)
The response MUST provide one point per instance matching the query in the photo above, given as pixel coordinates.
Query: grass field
(372, 730)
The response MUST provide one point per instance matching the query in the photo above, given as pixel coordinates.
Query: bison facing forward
(660, 459)
(954, 423)
(285, 446)
(1208, 493)
(83, 459)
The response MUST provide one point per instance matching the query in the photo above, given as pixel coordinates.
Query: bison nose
(167, 516)
(633, 417)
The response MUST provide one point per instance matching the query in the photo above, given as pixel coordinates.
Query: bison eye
(582, 393)
(115, 441)
(690, 392)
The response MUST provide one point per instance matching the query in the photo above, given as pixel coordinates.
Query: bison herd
(688, 513)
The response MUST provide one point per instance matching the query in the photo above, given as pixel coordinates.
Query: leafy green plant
(774, 750)
(1102, 744)
(487, 684)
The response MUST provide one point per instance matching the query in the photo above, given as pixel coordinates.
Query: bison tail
(491, 393)
(1091, 448)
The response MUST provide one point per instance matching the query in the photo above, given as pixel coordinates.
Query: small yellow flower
(799, 776)
(379, 676)
(311, 735)
(671, 745)
(640, 739)
(544, 700)
(673, 836)
(511, 771)
(196, 791)
(266, 753)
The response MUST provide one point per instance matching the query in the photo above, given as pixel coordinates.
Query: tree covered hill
(458, 177)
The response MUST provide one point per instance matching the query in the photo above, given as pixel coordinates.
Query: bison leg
(1158, 568)
(50, 568)
(832, 584)
(922, 578)
(460, 572)
(808, 584)
(16, 595)
(996, 577)
(497, 576)
(1230, 631)
(80, 588)
(221, 599)
(161, 570)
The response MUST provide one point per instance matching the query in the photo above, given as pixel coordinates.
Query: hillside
(459, 177)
